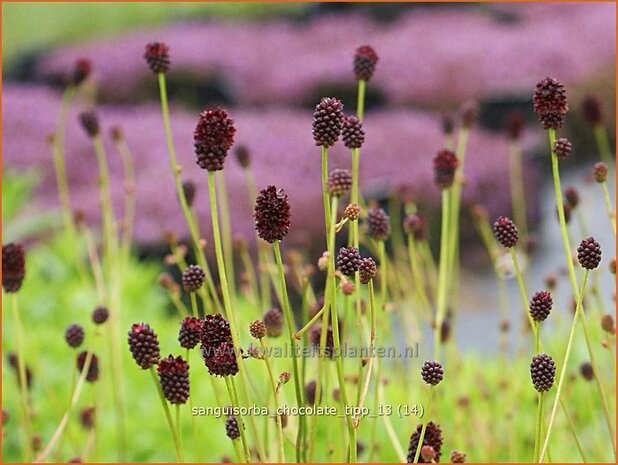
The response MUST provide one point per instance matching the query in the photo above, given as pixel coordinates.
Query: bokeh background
(269, 64)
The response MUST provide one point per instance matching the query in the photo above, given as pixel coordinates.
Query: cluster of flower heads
(349, 261)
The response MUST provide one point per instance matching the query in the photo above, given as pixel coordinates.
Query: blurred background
(269, 64)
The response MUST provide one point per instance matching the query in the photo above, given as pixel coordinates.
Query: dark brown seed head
(612, 266)
(589, 253)
(310, 389)
(562, 148)
(444, 166)
(365, 59)
(193, 278)
(190, 332)
(5, 416)
(378, 224)
(586, 371)
(458, 457)
(93, 370)
(210, 158)
(272, 214)
(469, 113)
(433, 438)
(14, 363)
(552, 120)
(188, 189)
(231, 428)
(74, 335)
(157, 57)
(550, 97)
(243, 156)
(352, 132)
(591, 108)
(607, 323)
(448, 123)
(116, 133)
(599, 172)
(542, 372)
(257, 328)
(506, 232)
(540, 305)
(352, 212)
(90, 123)
(348, 287)
(273, 319)
(329, 346)
(432, 372)
(213, 137)
(327, 122)
(174, 379)
(339, 182)
(367, 270)
(514, 124)
(86, 417)
(222, 362)
(572, 196)
(416, 225)
(100, 315)
(144, 345)
(348, 260)
(81, 71)
(568, 209)
(75, 460)
(13, 266)
(215, 330)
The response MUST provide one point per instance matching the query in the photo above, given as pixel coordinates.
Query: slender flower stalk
(275, 391)
(189, 218)
(168, 415)
(226, 231)
(516, 183)
(129, 186)
(442, 272)
(227, 303)
(600, 135)
(417, 454)
(372, 340)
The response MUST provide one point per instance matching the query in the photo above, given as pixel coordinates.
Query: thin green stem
(231, 386)
(178, 428)
(523, 294)
(130, 199)
(228, 304)
(168, 414)
(578, 311)
(608, 205)
(22, 379)
(226, 230)
(600, 135)
(273, 383)
(106, 203)
(287, 313)
(442, 273)
(186, 210)
(421, 438)
(372, 339)
(539, 425)
(572, 429)
(360, 99)
(516, 182)
(325, 194)
(194, 304)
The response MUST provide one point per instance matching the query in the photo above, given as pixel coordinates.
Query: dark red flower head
(541, 305)
(327, 122)
(599, 172)
(416, 225)
(589, 253)
(174, 378)
(189, 189)
(144, 345)
(562, 148)
(157, 57)
(444, 165)
(93, 369)
(222, 362)
(378, 224)
(591, 107)
(13, 266)
(367, 270)
(272, 214)
(365, 59)
(190, 332)
(213, 137)
(243, 156)
(273, 320)
(215, 330)
(550, 103)
(433, 438)
(514, 124)
(81, 71)
(90, 123)
(339, 182)
(352, 132)
(469, 113)
(506, 232)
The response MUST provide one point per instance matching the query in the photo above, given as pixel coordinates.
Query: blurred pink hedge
(399, 149)
(428, 56)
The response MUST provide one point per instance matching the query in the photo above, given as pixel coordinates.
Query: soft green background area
(38, 25)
